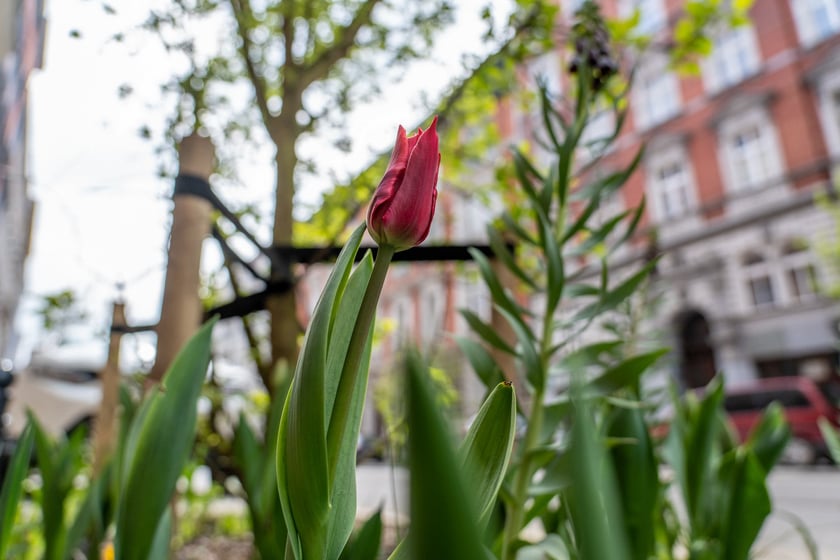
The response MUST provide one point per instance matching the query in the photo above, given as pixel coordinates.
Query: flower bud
(403, 205)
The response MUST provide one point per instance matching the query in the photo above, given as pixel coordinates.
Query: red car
(804, 401)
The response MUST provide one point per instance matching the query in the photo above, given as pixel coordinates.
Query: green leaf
(770, 436)
(443, 518)
(512, 225)
(164, 438)
(690, 449)
(159, 547)
(485, 452)
(486, 332)
(613, 298)
(482, 362)
(832, 439)
(498, 293)
(527, 352)
(502, 253)
(626, 373)
(638, 478)
(366, 544)
(59, 462)
(749, 506)
(553, 255)
(343, 496)
(598, 236)
(89, 519)
(528, 175)
(12, 485)
(302, 462)
(593, 498)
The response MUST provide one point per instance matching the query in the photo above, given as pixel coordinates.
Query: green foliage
(159, 441)
(443, 521)
(60, 310)
(365, 545)
(10, 491)
(256, 460)
(59, 462)
(317, 484)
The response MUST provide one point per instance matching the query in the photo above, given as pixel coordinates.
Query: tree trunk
(283, 306)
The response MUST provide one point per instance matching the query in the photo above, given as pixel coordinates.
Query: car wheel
(799, 452)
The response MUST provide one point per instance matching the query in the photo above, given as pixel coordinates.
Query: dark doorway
(697, 357)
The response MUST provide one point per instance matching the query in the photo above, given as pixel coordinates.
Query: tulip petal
(409, 216)
(402, 208)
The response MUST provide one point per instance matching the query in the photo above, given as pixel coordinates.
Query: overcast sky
(101, 213)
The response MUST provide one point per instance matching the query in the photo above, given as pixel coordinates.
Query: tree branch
(241, 11)
(444, 109)
(320, 67)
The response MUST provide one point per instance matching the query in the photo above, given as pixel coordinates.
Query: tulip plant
(584, 478)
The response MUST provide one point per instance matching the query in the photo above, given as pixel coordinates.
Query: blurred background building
(22, 28)
(737, 159)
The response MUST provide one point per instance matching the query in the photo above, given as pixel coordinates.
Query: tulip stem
(352, 362)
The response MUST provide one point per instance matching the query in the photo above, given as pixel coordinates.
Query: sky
(101, 213)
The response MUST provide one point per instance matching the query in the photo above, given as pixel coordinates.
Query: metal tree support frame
(181, 311)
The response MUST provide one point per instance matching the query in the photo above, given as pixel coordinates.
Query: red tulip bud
(403, 205)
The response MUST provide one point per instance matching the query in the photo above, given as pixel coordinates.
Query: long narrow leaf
(486, 450)
(302, 463)
(12, 485)
(443, 522)
(163, 443)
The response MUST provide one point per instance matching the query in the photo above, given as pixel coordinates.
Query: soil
(217, 548)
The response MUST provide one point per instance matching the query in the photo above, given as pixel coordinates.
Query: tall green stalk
(358, 342)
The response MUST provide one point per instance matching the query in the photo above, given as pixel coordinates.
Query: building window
(734, 57)
(671, 187)
(670, 184)
(829, 96)
(759, 281)
(816, 19)
(651, 14)
(599, 128)
(800, 273)
(749, 149)
(657, 95)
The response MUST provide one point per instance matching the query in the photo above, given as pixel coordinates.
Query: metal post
(181, 311)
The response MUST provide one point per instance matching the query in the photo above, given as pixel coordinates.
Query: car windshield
(831, 391)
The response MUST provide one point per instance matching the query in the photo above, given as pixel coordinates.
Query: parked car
(804, 401)
(61, 394)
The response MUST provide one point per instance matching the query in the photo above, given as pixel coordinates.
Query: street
(811, 494)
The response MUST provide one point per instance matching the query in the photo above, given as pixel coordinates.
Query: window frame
(656, 95)
(807, 24)
(659, 160)
(757, 119)
(726, 41)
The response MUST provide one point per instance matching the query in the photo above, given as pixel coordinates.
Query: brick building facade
(22, 28)
(735, 158)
